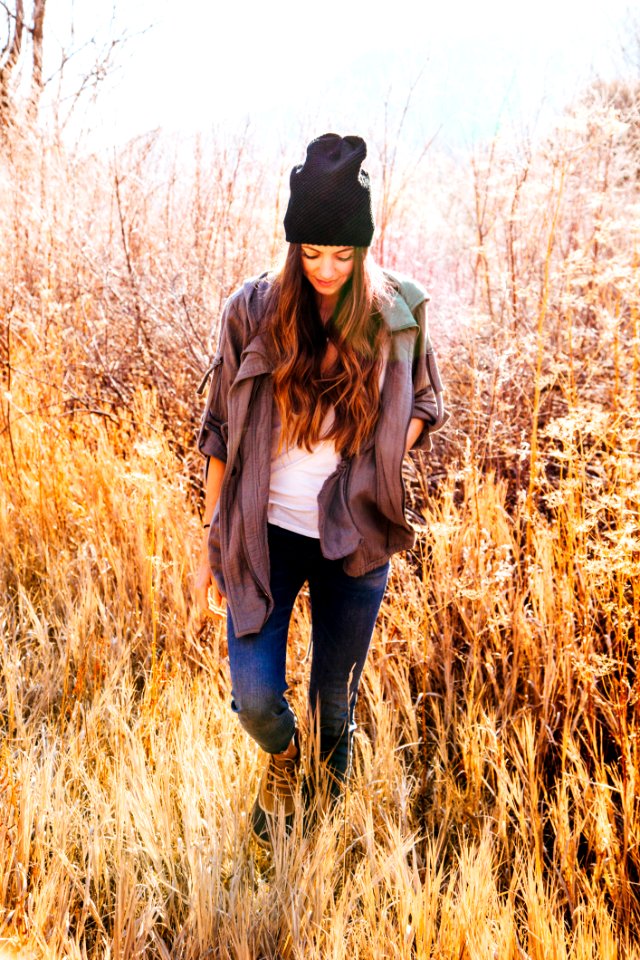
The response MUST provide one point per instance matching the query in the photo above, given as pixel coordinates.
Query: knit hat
(330, 202)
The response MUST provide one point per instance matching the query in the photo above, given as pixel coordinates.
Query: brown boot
(276, 792)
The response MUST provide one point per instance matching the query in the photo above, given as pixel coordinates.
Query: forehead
(324, 249)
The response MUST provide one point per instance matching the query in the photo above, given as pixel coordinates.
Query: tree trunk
(36, 71)
(8, 60)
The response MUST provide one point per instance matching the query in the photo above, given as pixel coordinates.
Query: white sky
(299, 67)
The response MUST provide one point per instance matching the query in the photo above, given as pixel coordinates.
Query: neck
(326, 305)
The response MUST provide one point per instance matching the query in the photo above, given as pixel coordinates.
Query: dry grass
(494, 809)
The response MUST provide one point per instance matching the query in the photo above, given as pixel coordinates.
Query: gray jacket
(361, 505)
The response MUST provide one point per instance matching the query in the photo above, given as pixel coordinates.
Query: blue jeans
(343, 615)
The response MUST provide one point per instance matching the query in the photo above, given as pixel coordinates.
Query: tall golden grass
(493, 811)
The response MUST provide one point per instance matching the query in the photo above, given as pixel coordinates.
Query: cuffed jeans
(343, 615)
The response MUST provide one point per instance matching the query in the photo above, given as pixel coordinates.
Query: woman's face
(327, 268)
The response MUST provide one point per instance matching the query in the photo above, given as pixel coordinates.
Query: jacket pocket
(339, 534)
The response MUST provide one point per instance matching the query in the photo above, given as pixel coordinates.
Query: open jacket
(361, 505)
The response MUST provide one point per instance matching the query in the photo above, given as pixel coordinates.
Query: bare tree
(10, 55)
(13, 50)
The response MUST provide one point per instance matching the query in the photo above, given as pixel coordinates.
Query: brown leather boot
(276, 792)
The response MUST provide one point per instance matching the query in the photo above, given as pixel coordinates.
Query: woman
(321, 384)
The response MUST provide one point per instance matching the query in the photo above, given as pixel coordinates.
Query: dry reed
(493, 810)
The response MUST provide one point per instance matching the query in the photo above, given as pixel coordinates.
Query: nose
(325, 269)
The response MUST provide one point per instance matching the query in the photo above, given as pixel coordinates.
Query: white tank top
(297, 476)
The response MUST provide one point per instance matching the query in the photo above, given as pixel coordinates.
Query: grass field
(494, 808)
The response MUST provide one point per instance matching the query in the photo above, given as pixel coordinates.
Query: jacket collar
(397, 315)
(255, 360)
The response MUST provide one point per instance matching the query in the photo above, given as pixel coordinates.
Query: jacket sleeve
(213, 435)
(427, 385)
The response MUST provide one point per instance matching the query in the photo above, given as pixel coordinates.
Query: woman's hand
(209, 600)
(416, 427)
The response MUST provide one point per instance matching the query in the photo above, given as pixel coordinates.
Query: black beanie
(330, 202)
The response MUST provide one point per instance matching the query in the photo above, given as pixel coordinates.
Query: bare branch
(10, 30)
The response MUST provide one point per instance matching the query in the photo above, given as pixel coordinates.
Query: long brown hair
(297, 340)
